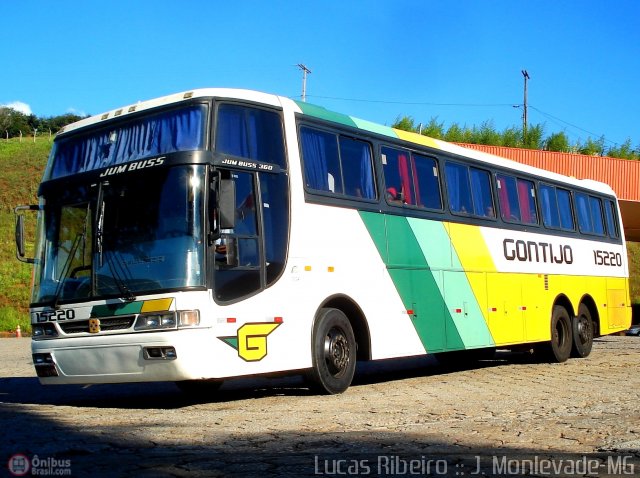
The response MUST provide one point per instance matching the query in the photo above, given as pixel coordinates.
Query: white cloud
(19, 106)
(75, 111)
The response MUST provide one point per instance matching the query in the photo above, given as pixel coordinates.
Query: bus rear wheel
(559, 348)
(582, 333)
(334, 352)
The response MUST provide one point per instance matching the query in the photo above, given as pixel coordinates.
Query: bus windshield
(137, 233)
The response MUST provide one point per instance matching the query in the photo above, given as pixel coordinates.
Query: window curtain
(524, 198)
(315, 163)
(453, 187)
(503, 197)
(549, 210)
(231, 131)
(366, 173)
(405, 178)
(479, 192)
(414, 173)
(596, 215)
(564, 206)
(584, 215)
(178, 130)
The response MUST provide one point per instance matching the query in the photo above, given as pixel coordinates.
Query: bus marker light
(277, 320)
(524, 307)
(231, 320)
(330, 269)
(493, 309)
(307, 268)
(188, 318)
(410, 312)
(458, 311)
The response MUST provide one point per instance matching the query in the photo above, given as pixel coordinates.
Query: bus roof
(346, 120)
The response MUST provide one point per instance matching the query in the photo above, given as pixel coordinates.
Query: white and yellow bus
(221, 233)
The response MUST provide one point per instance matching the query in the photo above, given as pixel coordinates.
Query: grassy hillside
(21, 167)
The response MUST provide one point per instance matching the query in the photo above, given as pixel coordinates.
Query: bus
(220, 233)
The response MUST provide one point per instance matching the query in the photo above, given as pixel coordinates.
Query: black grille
(107, 324)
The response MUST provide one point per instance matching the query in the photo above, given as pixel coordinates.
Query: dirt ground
(510, 416)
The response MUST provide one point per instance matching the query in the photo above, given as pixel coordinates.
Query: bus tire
(199, 388)
(559, 347)
(333, 352)
(582, 333)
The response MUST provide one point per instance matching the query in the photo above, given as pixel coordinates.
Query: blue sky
(458, 61)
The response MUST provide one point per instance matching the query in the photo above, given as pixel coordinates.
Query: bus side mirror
(227, 204)
(20, 249)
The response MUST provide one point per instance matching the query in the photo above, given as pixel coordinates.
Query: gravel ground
(510, 416)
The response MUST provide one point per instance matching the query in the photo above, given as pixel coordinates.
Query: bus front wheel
(582, 333)
(334, 352)
(559, 348)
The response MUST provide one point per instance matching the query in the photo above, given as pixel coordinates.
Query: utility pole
(524, 112)
(305, 71)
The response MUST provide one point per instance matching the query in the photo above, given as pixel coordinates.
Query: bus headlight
(188, 318)
(156, 321)
(43, 331)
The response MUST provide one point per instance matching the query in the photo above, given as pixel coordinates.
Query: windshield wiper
(121, 284)
(112, 260)
(66, 267)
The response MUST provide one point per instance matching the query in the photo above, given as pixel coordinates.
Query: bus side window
(549, 206)
(584, 213)
(427, 184)
(458, 189)
(397, 176)
(508, 198)
(527, 201)
(567, 221)
(481, 191)
(357, 168)
(595, 205)
(250, 133)
(610, 214)
(321, 160)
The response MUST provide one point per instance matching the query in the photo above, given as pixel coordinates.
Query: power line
(409, 103)
(428, 103)
(550, 116)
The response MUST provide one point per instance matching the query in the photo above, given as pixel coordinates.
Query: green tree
(486, 134)
(535, 137)
(512, 137)
(558, 142)
(405, 123)
(433, 129)
(624, 151)
(591, 147)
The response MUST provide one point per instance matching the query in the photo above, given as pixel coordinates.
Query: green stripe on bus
(322, 113)
(116, 309)
(374, 127)
(455, 287)
(416, 284)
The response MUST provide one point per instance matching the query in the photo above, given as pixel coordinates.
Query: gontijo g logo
(251, 341)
